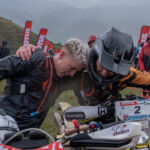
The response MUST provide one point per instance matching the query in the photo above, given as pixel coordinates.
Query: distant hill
(13, 33)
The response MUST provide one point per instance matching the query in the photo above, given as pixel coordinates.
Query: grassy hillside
(14, 34)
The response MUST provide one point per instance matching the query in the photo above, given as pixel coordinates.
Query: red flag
(145, 30)
(57, 51)
(46, 45)
(27, 31)
(51, 46)
(41, 37)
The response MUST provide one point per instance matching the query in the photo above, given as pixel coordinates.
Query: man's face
(68, 65)
(91, 44)
(103, 72)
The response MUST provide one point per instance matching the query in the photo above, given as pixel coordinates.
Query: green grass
(130, 91)
(2, 85)
(49, 125)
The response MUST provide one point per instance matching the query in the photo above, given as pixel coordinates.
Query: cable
(82, 87)
(46, 93)
(29, 129)
(49, 85)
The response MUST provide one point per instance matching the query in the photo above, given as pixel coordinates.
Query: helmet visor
(113, 62)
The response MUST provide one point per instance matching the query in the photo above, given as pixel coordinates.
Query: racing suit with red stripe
(24, 89)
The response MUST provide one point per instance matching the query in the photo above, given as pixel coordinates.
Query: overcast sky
(43, 6)
(91, 3)
(75, 3)
(21, 10)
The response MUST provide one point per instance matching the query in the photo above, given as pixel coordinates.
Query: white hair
(78, 49)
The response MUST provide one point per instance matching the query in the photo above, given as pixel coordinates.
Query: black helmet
(115, 53)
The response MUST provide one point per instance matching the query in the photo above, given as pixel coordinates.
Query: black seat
(83, 140)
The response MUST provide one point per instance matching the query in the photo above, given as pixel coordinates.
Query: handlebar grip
(70, 131)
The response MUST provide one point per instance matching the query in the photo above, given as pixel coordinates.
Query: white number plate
(132, 110)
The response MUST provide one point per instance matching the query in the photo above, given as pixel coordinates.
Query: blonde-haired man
(26, 100)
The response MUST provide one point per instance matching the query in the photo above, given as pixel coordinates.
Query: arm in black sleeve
(13, 66)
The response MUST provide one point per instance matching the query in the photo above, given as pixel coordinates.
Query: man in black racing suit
(26, 100)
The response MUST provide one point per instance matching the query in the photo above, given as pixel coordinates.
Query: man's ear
(62, 54)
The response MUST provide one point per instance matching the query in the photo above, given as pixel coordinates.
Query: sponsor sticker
(128, 103)
(102, 110)
(120, 129)
(74, 115)
(136, 117)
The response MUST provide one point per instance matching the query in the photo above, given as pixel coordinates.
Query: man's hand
(25, 51)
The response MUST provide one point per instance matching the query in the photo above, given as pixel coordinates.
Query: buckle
(22, 88)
